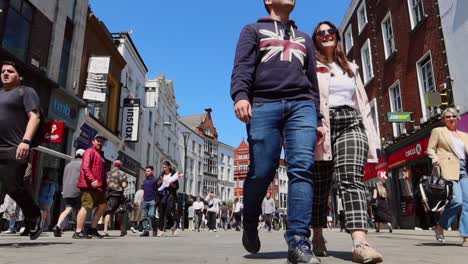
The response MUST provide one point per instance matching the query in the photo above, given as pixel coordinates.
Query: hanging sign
(150, 96)
(96, 82)
(131, 114)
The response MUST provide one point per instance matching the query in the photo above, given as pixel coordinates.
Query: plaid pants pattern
(350, 149)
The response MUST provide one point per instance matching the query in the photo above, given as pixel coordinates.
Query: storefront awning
(409, 153)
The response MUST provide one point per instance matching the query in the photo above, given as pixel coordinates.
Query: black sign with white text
(131, 114)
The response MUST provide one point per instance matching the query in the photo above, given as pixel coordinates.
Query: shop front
(56, 149)
(132, 168)
(406, 166)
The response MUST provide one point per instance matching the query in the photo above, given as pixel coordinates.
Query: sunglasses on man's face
(451, 117)
(330, 31)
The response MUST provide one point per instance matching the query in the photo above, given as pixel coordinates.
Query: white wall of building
(454, 18)
(194, 173)
(283, 186)
(226, 182)
(166, 137)
(133, 78)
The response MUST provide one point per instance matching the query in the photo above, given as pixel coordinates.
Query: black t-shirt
(13, 117)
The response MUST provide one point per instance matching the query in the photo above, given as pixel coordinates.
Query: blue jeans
(459, 203)
(148, 211)
(293, 125)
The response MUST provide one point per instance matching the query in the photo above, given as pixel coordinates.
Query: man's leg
(107, 219)
(299, 143)
(98, 214)
(63, 215)
(81, 218)
(264, 136)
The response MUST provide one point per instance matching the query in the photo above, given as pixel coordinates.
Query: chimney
(208, 110)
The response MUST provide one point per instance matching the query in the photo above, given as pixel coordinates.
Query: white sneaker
(133, 230)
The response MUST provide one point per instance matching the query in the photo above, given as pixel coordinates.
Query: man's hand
(94, 184)
(22, 151)
(243, 111)
(321, 132)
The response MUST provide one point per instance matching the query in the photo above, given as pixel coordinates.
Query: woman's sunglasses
(451, 117)
(330, 31)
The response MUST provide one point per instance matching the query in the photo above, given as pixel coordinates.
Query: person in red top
(92, 183)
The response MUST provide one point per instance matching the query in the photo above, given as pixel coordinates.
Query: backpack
(38, 137)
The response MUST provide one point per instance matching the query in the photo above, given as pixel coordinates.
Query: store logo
(414, 151)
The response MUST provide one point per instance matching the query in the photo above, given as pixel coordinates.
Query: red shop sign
(411, 152)
(54, 132)
(371, 170)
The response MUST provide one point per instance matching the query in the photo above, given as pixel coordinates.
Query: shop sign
(371, 170)
(382, 174)
(412, 152)
(399, 117)
(54, 132)
(407, 206)
(131, 114)
(96, 82)
(64, 110)
(85, 140)
(129, 165)
(150, 96)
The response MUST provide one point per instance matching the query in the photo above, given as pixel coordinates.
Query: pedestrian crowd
(295, 93)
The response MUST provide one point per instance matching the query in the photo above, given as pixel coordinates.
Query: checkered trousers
(345, 171)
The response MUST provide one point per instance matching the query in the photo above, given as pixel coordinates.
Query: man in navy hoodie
(275, 91)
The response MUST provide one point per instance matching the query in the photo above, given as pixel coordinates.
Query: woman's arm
(432, 146)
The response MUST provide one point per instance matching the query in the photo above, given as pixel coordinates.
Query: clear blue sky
(193, 43)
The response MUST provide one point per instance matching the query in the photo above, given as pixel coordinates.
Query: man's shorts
(91, 198)
(113, 204)
(74, 202)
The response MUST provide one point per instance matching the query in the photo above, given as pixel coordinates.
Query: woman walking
(448, 149)
(349, 141)
(380, 207)
(167, 199)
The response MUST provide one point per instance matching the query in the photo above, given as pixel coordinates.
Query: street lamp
(186, 139)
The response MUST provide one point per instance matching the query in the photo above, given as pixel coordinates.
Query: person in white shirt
(212, 212)
(198, 207)
(237, 213)
(137, 213)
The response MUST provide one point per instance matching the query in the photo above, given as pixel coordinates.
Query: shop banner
(96, 82)
(54, 132)
(372, 170)
(463, 123)
(131, 114)
(150, 96)
(412, 152)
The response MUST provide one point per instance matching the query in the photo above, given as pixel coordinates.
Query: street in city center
(402, 246)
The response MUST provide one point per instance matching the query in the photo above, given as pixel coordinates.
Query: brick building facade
(399, 47)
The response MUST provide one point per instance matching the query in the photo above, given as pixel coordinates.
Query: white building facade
(226, 183)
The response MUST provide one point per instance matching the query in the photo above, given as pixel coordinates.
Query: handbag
(435, 191)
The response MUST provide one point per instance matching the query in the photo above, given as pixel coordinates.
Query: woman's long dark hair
(169, 165)
(339, 55)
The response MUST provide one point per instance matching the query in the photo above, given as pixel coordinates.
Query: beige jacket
(441, 150)
(324, 151)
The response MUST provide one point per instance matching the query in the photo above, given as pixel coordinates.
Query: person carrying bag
(448, 149)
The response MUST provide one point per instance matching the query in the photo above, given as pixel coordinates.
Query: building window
(64, 60)
(426, 82)
(362, 16)
(396, 105)
(193, 146)
(150, 120)
(148, 151)
(387, 36)
(17, 29)
(71, 5)
(208, 132)
(375, 115)
(199, 149)
(348, 38)
(366, 58)
(416, 11)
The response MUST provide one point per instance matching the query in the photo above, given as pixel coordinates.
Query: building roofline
(349, 13)
(120, 34)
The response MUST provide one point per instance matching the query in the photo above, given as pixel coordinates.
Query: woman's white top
(459, 147)
(342, 88)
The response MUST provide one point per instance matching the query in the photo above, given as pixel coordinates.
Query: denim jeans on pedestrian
(292, 125)
(459, 203)
(148, 211)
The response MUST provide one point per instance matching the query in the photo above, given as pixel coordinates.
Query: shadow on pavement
(32, 244)
(268, 255)
(344, 255)
(435, 244)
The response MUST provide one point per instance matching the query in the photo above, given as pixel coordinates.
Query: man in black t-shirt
(19, 121)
